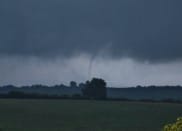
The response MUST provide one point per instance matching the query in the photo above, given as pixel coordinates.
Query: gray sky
(55, 41)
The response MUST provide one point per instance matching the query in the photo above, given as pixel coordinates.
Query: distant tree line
(74, 84)
(93, 89)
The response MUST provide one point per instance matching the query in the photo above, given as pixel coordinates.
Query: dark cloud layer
(142, 29)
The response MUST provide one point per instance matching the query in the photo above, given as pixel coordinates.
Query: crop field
(85, 115)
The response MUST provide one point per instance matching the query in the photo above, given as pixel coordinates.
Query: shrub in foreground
(175, 126)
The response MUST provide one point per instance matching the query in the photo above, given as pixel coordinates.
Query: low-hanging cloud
(117, 73)
(139, 29)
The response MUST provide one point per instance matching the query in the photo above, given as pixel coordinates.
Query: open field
(83, 115)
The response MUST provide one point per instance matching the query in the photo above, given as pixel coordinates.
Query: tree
(95, 89)
(73, 84)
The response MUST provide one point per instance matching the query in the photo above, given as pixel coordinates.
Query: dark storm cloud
(142, 29)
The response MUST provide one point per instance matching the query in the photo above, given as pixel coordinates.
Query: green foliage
(175, 126)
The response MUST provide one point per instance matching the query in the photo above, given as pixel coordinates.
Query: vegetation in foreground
(85, 115)
(177, 126)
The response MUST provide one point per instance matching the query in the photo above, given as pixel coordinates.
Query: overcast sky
(126, 42)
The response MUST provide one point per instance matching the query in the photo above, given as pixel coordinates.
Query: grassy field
(75, 115)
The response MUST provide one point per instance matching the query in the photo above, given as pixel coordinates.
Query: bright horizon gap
(124, 72)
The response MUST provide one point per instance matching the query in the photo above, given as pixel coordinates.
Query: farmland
(85, 115)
